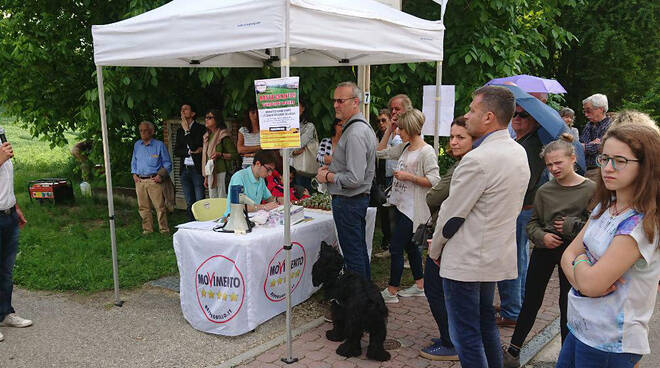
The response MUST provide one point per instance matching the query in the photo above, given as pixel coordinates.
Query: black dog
(357, 306)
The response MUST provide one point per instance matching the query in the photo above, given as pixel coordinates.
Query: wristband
(326, 176)
(580, 261)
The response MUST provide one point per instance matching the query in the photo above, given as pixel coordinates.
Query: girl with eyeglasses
(614, 262)
(560, 211)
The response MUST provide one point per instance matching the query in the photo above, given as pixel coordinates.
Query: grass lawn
(67, 246)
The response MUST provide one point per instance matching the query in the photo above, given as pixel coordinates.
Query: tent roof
(247, 33)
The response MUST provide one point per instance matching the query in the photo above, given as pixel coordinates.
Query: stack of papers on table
(297, 214)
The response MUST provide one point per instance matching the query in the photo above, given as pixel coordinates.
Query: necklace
(617, 212)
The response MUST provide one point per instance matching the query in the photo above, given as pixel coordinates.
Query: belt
(8, 211)
(528, 207)
(147, 176)
(361, 195)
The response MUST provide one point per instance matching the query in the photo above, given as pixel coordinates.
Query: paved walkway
(410, 322)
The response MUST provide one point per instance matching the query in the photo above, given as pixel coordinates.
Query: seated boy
(254, 186)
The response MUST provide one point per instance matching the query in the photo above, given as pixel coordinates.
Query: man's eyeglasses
(209, 117)
(618, 162)
(521, 114)
(269, 169)
(340, 101)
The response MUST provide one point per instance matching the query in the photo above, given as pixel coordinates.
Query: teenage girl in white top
(614, 262)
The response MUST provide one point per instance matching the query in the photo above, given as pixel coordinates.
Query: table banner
(230, 284)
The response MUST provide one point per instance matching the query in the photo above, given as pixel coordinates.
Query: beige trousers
(148, 192)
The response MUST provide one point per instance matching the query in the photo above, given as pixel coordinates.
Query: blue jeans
(575, 354)
(436, 297)
(192, 183)
(402, 240)
(472, 323)
(8, 250)
(350, 218)
(512, 292)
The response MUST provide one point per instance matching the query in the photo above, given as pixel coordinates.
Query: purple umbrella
(530, 83)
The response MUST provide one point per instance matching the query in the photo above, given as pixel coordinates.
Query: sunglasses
(521, 114)
(340, 101)
(209, 117)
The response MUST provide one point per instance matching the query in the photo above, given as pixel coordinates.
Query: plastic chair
(209, 208)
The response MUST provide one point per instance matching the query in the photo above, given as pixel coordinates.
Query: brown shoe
(504, 322)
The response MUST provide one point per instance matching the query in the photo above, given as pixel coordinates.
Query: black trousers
(541, 266)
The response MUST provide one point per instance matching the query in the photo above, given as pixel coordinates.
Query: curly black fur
(357, 306)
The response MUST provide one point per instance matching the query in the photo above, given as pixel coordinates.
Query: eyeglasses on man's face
(269, 169)
(340, 101)
(618, 162)
(521, 114)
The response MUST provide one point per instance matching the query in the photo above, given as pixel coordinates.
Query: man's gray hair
(357, 92)
(149, 124)
(405, 100)
(598, 100)
(566, 111)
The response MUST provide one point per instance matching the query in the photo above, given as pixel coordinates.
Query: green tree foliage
(617, 53)
(48, 76)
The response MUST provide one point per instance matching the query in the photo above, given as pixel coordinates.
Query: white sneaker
(411, 291)
(13, 320)
(2, 337)
(388, 297)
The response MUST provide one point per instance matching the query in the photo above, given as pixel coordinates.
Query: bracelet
(580, 261)
(326, 176)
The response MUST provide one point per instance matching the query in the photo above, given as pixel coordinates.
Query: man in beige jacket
(475, 236)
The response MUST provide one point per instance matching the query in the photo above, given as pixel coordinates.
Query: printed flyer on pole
(279, 114)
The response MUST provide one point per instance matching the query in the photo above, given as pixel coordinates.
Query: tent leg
(284, 73)
(108, 182)
(438, 87)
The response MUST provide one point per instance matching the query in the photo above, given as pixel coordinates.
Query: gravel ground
(72, 330)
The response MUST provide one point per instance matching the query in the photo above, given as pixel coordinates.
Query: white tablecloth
(229, 284)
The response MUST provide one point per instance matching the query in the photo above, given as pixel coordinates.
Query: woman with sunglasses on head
(219, 149)
(384, 177)
(560, 211)
(417, 172)
(614, 262)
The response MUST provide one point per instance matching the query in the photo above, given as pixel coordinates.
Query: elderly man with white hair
(595, 107)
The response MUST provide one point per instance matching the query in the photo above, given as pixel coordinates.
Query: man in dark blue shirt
(149, 156)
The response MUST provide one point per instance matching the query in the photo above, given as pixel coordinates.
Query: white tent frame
(285, 63)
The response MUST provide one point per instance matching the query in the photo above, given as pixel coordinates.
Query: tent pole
(108, 184)
(438, 86)
(284, 73)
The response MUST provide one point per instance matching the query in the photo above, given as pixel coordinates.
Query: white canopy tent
(248, 33)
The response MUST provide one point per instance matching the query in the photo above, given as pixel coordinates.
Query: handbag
(305, 163)
(423, 233)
